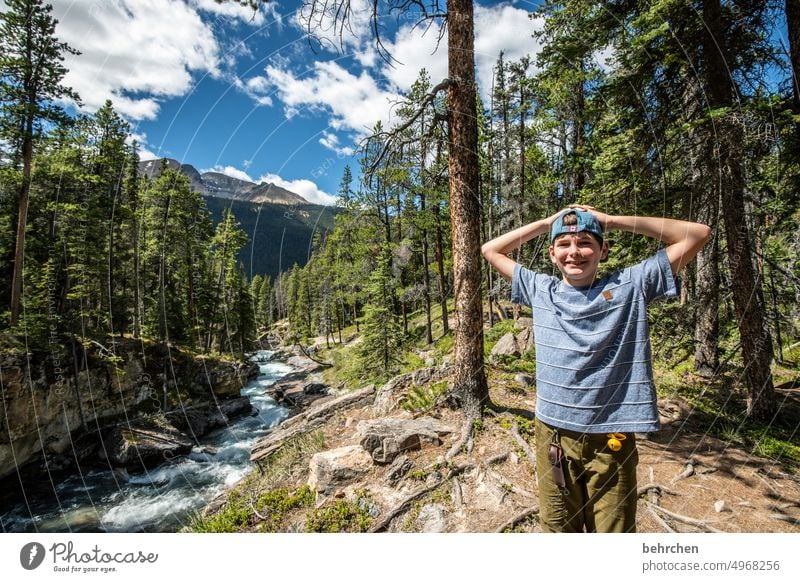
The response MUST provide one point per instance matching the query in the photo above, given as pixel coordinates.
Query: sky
(250, 94)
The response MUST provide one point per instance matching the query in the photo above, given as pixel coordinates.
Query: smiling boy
(594, 379)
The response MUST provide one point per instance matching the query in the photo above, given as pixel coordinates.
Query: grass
(719, 409)
(270, 491)
(343, 516)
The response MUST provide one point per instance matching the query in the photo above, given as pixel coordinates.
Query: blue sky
(225, 89)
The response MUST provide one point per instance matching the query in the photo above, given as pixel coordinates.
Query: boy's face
(577, 257)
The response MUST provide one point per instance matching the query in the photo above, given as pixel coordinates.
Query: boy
(594, 378)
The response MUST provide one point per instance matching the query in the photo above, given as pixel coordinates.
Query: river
(159, 500)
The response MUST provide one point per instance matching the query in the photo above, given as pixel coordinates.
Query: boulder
(397, 470)
(386, 438)
(315, 388)
(329, 470)
(201, 420)
(141, 447)
(523, 323)
(431, 518)
(506, 346)
(524, 380)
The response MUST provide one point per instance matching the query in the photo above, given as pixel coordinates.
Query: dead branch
(312, 358)
(406, 503)
(391, 137)
(534, 509)
(255, 511)
(684, 519)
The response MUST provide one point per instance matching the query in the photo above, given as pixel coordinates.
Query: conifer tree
(31, 74)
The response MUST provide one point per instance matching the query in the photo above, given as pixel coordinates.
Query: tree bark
(746, 284)
(793, 28)
(469, 378)
(22, 220)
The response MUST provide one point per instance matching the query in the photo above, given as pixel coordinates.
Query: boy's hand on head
(603, 218)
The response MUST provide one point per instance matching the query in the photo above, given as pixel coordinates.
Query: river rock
(385, 438)
(329, 470)
(201, 420)
(141, 447)
(506, 346)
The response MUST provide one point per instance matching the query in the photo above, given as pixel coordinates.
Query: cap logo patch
(572, 228)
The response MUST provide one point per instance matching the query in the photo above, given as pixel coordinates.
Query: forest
(671, 108)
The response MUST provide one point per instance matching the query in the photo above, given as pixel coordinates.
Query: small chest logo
(607, 295)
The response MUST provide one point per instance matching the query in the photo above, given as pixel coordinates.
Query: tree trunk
(746, 285)
(469, 378)
(22, 220)
(793, 28)
(426, 277)
(440, 271)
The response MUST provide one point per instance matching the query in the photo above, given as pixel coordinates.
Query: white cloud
(333, 35)
(230, 171)
(353, 102)
(134, 52)
(331, 141)
(502, 28)
(234, 10)
(356, 99)
(142, 147)
(305, 188)
(412, 49)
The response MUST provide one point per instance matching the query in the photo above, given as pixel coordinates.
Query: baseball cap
(586, 222)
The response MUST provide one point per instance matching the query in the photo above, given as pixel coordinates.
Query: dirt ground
(723, 488)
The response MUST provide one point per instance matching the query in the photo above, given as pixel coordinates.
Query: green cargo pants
(600, 484)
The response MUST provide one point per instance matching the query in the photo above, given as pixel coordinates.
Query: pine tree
(31, 63)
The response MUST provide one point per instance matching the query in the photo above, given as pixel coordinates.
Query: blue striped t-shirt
(593, 364)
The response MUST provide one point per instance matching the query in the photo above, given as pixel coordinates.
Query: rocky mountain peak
(221, 185)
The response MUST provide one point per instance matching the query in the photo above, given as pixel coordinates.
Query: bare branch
(392, 141)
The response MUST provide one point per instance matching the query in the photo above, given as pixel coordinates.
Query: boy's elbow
(485, 250)
(705, 232)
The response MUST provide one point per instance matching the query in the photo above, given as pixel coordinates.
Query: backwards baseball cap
(586, 222)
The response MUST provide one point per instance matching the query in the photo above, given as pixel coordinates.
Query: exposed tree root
(657, 488)
(496, 459)
(786, 518)
(688, 471)
(463, 440)
(520, 517)
(684, 518)
(523, 444)
(660, 520)
(406, 503)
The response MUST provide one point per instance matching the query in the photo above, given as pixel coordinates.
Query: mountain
(223, 186)
(280, 224)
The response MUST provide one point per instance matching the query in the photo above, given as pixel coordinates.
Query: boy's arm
(495, 250)
(684, 239)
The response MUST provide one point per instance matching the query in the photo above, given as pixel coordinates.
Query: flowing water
(159, 500)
